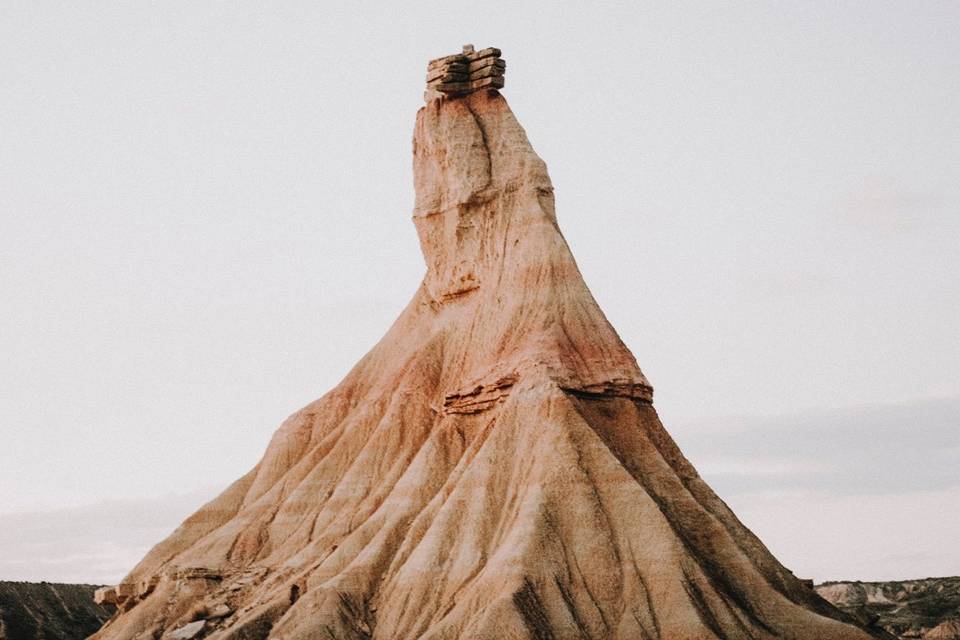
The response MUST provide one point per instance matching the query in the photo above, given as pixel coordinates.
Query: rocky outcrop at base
(49, 611)
(947, 630)
(926, 608)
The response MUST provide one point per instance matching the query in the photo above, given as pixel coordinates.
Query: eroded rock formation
(49, 611)
(492, 468)
(905, 608)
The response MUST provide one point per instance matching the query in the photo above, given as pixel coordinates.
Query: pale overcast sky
(205, 221)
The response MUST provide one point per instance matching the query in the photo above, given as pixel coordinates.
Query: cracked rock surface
(492, 468)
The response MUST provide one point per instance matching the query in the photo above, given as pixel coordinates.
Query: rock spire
(493, 468)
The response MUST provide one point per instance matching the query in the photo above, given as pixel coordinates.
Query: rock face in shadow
(492, 468)
(49, 611)
(925, 608)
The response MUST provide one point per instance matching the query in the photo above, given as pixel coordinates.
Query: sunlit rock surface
(492, 468)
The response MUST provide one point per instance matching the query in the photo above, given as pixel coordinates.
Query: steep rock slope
(49, 611)
(493, 468)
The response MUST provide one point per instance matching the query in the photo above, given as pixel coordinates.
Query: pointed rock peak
(492, 468)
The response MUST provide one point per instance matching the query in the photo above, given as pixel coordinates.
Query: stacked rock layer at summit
(493, 468)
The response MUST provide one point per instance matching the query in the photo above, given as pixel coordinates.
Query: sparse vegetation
(49, 611)
(905, 608)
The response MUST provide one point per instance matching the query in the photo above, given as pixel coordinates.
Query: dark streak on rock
(531, 610)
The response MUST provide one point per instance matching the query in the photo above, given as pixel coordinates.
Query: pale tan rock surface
(946, 630)
(493, 468)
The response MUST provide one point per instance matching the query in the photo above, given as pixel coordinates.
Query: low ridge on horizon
(493, 467)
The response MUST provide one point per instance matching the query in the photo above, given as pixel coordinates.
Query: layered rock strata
(492, 468)
(459, 74)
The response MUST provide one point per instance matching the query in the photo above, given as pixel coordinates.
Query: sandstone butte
(493, 468)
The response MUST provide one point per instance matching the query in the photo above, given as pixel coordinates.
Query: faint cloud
(873, 449)
(866, 493)
(797, 286)
(761, 466)
(96, 544)
(883, 206)
(858, 537)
